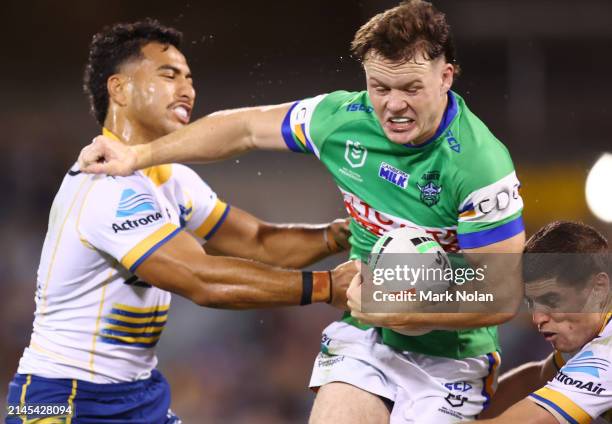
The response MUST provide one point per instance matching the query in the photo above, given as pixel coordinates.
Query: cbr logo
(502, 200)
(355, 154)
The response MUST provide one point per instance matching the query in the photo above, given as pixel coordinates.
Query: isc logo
(359, 107)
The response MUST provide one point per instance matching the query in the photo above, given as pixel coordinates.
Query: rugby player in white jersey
(574, 383)
(116, 247)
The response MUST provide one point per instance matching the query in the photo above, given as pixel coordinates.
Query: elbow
(200, 291)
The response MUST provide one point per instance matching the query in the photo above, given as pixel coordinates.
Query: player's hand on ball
(353, 293)
(106, 156)
(341, 278)
(337, 235)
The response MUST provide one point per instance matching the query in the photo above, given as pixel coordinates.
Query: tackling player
(116, 247)
(405, 152)
(572, 385)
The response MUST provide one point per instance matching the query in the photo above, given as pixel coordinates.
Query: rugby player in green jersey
(405, 152)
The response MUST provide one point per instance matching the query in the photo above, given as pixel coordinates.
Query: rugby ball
(411, 240)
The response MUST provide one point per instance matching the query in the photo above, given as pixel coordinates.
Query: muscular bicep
(237, 236)
(263, 125)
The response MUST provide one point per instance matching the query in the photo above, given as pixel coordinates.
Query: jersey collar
(108, 133)
(447, 118)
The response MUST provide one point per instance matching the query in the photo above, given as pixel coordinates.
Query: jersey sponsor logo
(455, 400)
(500, 201)
(586, 363)
(185, 215)
(452, 142)
(589, 386)
(130, 224)
(393, 175)
(355, 154)
(458, 386)
(378, 223)
(132, 203)
(430, 188)
(359, 107)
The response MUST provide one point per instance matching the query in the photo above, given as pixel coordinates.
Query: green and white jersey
(460, 186)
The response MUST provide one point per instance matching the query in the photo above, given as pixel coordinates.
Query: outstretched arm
(213, 137)
(517, 383)
(524, 412)
(181, 266)
(287, 245)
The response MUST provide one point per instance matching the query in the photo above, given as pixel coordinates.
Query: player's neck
(129, 133)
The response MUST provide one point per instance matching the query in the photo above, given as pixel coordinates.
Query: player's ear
(448, 73)
(117, 89)
(600, 295)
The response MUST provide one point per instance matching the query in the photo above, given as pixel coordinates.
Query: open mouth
(400, 123)
(182, 112)
(548, 335)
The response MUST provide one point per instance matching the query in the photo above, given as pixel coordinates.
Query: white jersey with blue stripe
(582, 389)
(95, 320)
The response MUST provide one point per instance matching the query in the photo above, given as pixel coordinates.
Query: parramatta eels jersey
(582, 389)
(95, 320)
(460, 186)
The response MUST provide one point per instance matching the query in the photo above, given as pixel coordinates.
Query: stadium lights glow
(599, 188)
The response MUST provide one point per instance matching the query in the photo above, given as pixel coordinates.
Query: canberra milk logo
(393, 175)
(355, 154)
(132, 203)
(586, 363)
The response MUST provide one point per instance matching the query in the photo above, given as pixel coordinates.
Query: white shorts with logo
(424, 389)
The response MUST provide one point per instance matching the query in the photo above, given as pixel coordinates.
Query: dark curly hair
(403, 31)
(112, 47)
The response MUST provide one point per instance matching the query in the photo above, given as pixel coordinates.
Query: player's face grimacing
(160, 93)
(409, 98)
(554, 311)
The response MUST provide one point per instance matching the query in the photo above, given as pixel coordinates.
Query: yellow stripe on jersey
(56, 247)
(491, 378)
(210, 223)
(606, 321)
(299, 134)
(558, 360)
(74, 362)
(97, 330)
(561, 404)
(108, 133)
(135, 331)
(134, 320)
(158, 174)
(139, 310)
(132, 259)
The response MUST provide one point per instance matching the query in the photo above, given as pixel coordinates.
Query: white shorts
(424, 389)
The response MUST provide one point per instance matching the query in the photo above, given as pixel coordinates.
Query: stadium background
(536, 71)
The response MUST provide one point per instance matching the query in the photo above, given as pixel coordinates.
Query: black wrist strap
(306, 288)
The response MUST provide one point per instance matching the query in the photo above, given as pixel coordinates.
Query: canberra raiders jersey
(95, 320)
(460, 186)
(582, 389)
